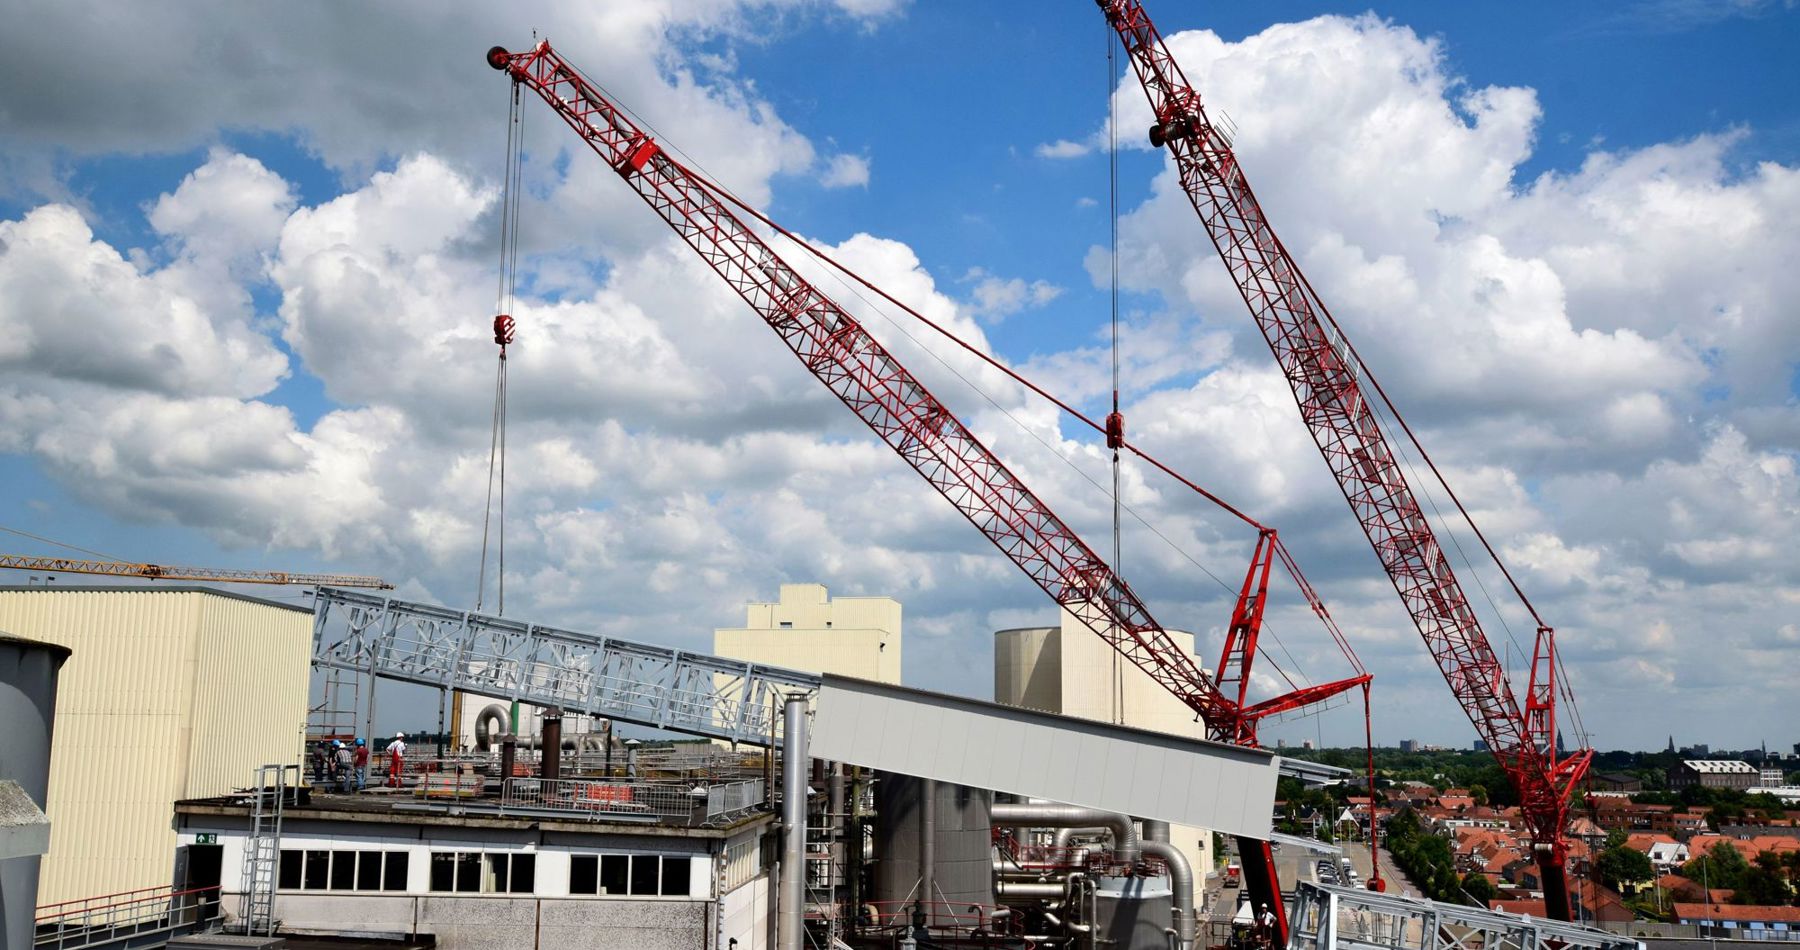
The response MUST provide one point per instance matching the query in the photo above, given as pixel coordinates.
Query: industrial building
(1714, 773)
(806, 628)
(1067, 670)
(169, 693)
(565, 863)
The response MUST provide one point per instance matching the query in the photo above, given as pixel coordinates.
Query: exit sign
(206, 839)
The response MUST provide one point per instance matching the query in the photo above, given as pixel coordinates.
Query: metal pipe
(1156, 830)
(1030, 890)
(928, 789)
(1124, 831)
(789, 933)
(1181, 881)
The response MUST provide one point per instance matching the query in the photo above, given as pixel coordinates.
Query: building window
(320, 870)
(635, 875)
(472, 872)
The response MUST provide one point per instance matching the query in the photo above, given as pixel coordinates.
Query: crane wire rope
(61, 544)
(712, 184)
(835, 268)
(505, 297)
(1112, 252)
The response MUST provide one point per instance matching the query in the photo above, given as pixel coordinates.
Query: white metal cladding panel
(119, 753)
(250, 674)
(1096, 765)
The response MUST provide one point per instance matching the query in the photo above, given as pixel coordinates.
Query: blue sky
(1557, 232)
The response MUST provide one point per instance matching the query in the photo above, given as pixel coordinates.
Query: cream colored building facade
(807, 629)
(169, 693)
(1069, 670)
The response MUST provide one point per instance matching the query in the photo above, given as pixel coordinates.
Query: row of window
(477, 872)
(342, 870)
(634, 874)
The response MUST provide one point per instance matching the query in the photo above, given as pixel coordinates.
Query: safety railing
(129, 918)
(644, 801)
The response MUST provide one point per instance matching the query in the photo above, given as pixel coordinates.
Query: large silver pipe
(1156, 830)
(795, 766)
(1032, 890)
(1181, 881)
(1124, 832)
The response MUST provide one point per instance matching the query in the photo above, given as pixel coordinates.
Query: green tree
(1621, 868)
(1479, 792)
(1764, 883)
(1478, 888)
(1723, 866)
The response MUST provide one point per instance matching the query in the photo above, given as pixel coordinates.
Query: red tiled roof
(1533, 907)
(1642, 840)
(1762, 912)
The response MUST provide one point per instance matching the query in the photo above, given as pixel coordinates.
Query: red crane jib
(836, 348)
(1323, 373)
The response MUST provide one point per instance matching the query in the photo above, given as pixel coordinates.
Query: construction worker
(343, 762)
(396, 759)
(1265, 927)
(321, 760)
(362, 764)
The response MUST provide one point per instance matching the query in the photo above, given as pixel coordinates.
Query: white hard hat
(399, 735)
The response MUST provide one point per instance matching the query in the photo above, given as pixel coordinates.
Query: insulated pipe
(1181, 881)
(1124, 832)
(1156, 830)
(789, 934)
(484, 733)
(1031, 890)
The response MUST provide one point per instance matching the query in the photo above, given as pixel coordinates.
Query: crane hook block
(503, 329)
(499, 58)
(1115, 430)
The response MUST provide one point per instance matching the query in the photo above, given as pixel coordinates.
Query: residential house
(1751, 921)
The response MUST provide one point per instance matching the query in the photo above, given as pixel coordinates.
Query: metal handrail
(116, 917)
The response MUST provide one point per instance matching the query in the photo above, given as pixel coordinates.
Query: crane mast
(1325, 375)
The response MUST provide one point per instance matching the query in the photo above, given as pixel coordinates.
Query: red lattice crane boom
(836, 349)
(1328, 383)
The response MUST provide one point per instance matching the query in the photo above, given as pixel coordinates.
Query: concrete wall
(501, 922)
(169, 694)
(849, 636)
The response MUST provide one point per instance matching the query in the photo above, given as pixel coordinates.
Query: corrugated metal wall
(145, 717)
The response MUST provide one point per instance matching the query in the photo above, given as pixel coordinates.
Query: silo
(962, 858)
(28, 707)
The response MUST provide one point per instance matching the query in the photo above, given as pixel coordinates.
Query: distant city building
(1480, 745)
(807, 629)
(1306, 743)
(1773, 775)
(1067, 669)
(1698, 750)
(1714, 773)
(168, 693)
(1409, 745)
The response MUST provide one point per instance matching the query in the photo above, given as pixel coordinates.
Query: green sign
(207, 838)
